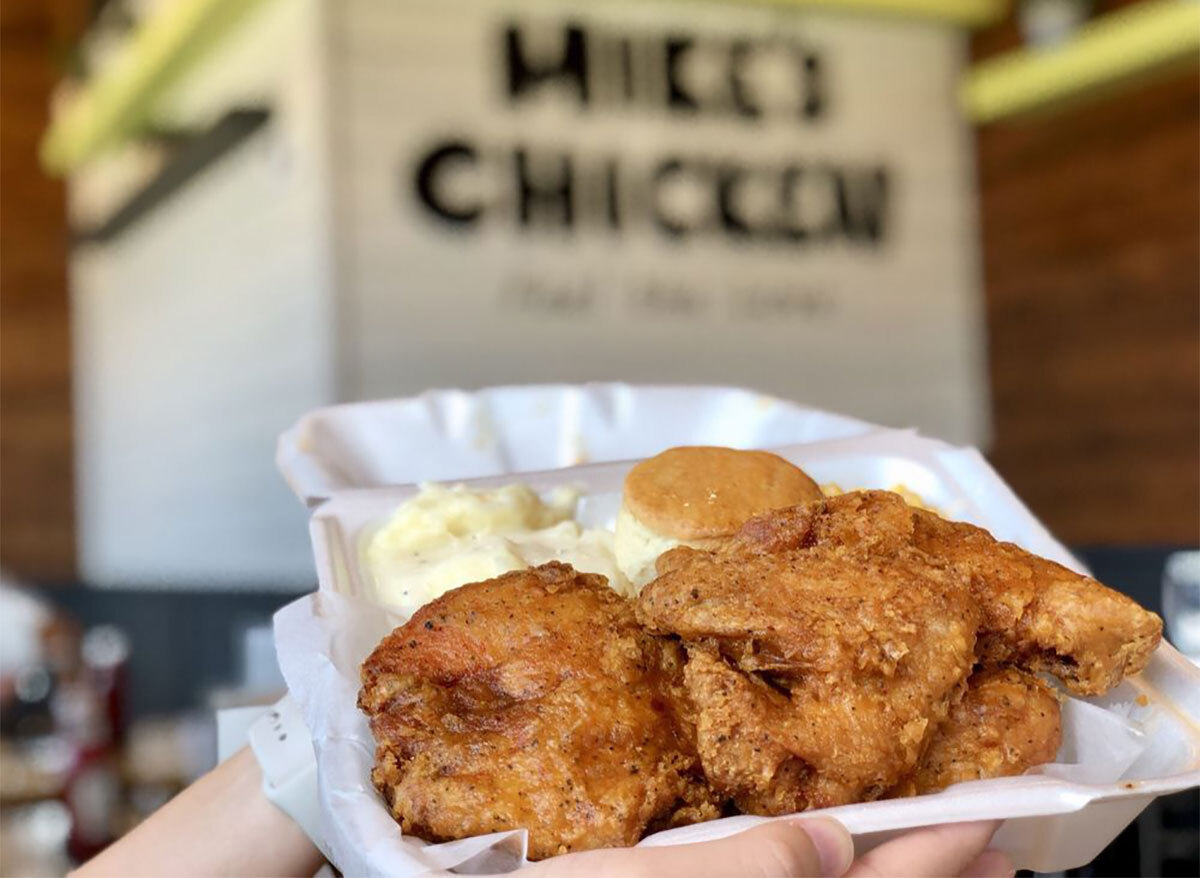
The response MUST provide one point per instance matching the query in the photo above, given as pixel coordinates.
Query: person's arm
(222, 825)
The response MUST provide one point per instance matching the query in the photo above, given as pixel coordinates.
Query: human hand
(797, 848)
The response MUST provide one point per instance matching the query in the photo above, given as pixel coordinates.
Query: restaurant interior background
(976, 217)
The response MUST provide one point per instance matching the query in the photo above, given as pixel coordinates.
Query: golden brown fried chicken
(1007, 722)
(827, 643)
(1038, 615)
(1041, 616)
(531, 700)
(815, 675)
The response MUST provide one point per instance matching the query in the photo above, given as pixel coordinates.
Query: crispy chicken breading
(532, 700)
(1038, 615)
(816, 676)
(850, 648)
(827, 643)
(1007, 722)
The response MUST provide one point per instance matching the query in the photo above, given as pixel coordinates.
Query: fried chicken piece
(1041, 616)
(1007, 722)
(1038, 615)
(815, 675)
(532, 700)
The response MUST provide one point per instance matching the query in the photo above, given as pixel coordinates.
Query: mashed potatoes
(447, 536)
(638, 548)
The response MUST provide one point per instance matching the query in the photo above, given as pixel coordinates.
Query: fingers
(799, 848)
(831, 841)
(932, 851)
(813, 848)
(990, 864)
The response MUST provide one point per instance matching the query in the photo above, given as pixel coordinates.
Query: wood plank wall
(1091, 251)
(1091, 248)
(37, 519)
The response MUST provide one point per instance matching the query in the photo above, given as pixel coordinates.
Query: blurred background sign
(375, 198)
(280, 204)
(742, 194)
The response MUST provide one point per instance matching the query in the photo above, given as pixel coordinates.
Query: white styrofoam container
(459, 434)
(1058, 818)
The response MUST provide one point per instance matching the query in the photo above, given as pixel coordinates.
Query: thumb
(800, 848)
(794, 848)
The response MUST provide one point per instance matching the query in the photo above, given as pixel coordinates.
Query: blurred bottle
(90, 714)
(29, 668)
(1181, 602)
(105, 656)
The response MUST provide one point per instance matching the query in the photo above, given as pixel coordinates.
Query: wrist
(283, 750)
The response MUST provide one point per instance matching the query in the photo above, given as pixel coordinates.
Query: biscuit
(698, 496)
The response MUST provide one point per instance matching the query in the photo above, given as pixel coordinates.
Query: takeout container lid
(353, 464)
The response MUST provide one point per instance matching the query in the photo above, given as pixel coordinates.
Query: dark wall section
(1091, 246)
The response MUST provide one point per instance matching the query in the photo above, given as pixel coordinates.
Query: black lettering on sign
(544, 198)
(550, 296)
(729, 178)
(599, 68)
(825, 202)
(612, 193)
(741, 51)
(791, 228)
(628, 85)
(668, 298)
(526, 74)
(774, 303)
(862, 205)
(678, 98)
(551, 190)
(429, 182)
(674, 175)
(812, 85)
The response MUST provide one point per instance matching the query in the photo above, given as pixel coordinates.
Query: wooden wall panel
(37, 535)
(1091, 243)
